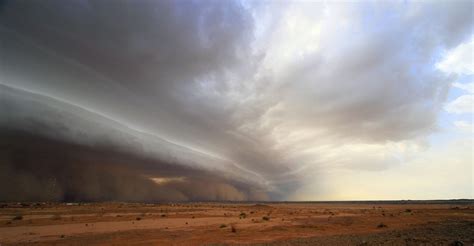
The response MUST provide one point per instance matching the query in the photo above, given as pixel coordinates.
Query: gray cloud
(264, 94)
(376, 83)
(52, 150)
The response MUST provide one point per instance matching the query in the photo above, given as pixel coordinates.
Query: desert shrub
(381, 225)
(223, 226)
(457, 243)
(233, 229)
(266, 218)
(56, 217)
(18, 217)
(408, 210)
(243, 215)
(138, 218)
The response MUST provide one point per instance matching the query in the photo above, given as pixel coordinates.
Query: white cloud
(461, 105)
(469, 87)
(464, 126)
(464, 103)
(458, 60)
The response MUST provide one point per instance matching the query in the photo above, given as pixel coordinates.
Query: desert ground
(318, 223)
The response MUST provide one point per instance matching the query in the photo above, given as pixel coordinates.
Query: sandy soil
(230, 223)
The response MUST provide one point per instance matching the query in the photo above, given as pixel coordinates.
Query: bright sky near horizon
(298, 100)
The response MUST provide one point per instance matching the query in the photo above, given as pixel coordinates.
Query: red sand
(210, 223)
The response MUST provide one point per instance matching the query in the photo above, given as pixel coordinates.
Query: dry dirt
(237, 223)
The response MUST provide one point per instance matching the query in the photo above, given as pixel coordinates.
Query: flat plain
(306, 223)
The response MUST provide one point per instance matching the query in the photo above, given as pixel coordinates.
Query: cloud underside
(34, 169)
(54, 151)
(257, 99)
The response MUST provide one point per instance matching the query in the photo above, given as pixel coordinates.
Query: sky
(236, 100)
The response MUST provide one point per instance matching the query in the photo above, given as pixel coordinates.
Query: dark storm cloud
(52, 150)
(142, 63)
(229, 89)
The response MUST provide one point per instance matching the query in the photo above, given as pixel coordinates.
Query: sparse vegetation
(56, 217)
(457, 243)
(362, 244)
(381, 225)
(276, 221)
(18, 217)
